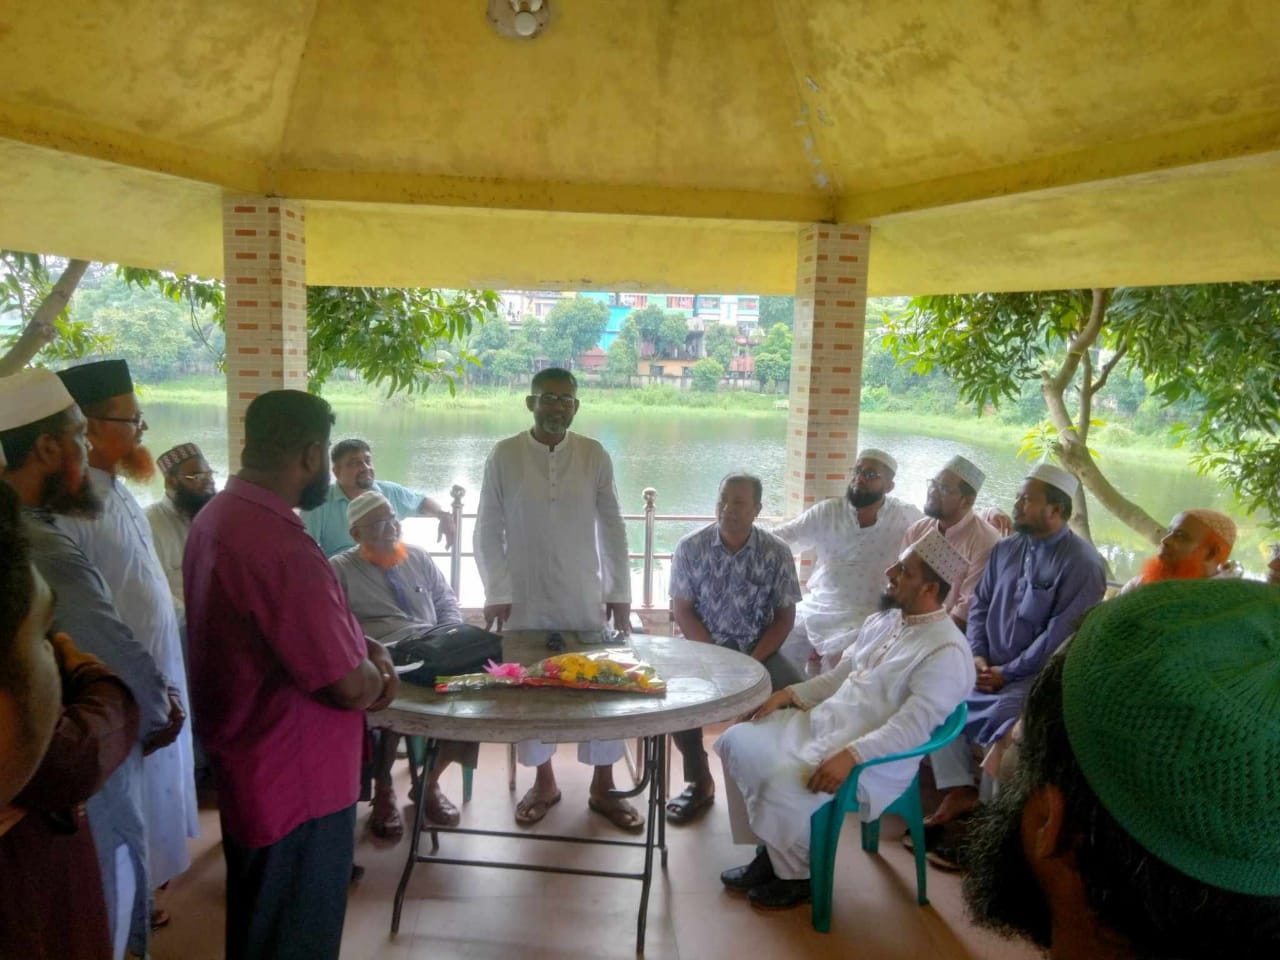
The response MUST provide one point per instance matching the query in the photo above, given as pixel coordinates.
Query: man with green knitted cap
(1141, 819)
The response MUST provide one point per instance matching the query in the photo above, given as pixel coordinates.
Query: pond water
(683, 458)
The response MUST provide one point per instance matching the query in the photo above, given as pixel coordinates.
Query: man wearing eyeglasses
(855, 538)
(948, 509)
(552, 552)
(188, 486)
(119, 543)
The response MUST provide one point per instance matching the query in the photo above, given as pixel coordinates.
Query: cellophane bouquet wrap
(603, 670)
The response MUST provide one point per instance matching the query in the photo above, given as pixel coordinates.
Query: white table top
(705, 684)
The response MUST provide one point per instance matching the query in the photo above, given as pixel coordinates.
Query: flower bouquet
(605, 670)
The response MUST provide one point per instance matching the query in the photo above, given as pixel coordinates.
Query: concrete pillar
(826, 362)
(264, 256)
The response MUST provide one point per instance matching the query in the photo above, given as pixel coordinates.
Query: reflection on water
(683, 458)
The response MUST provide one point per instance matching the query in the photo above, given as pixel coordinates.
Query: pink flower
(513, 670)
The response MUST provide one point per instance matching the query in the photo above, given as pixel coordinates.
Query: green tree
(387, 335)
(777, 341)
(648, 321)
(673, 335)
(774, 310)
(772, 368)
(721, 343)
(574, 326)
(1214, 348)
(707, 374)
(624, 356)
(37, 303)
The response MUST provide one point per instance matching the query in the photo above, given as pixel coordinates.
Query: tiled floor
(456, 912)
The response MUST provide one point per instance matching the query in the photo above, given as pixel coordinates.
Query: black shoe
(758, 871)
(779, 894)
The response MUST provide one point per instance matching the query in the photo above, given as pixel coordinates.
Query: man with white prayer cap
(854, 538)
(1196, 547)
(43, 435)
(907, 670)
(1037, 586)
(948, 509)
(396, 592)
(119, 543)
(188, 486)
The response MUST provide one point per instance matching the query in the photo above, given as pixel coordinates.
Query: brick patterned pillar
(264, 258)
(826, 363)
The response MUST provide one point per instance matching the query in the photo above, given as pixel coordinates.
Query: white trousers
(595, 753)
(126, 890)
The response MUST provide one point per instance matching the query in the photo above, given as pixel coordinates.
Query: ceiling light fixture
(519, 19)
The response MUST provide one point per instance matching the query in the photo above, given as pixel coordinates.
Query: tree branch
(1072, 450)
(41, 330)
(1085, 420)
(1110, 365)
(1082, 341)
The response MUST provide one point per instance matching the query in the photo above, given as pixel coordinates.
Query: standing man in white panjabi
(119, 543)
(907, 669)
(855, 538)
(552, 551)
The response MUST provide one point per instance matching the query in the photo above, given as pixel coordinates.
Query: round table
(705, 684)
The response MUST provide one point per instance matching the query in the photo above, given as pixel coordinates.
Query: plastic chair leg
(871, 836)
(822, 864)
(466, 783)
(511, 767)
(909, 808)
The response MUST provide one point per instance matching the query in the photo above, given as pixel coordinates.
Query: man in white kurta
(119, 543)
(854, 537)
(551, 547)
(948, 508)
(188, 486)
(906, 671)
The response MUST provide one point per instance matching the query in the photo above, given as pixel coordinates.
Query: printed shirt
(735, 595)
(268, 629)
(328, 525)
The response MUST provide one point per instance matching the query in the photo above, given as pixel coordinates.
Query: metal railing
(648, 555)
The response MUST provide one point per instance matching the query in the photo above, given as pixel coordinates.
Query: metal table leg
(418, 774)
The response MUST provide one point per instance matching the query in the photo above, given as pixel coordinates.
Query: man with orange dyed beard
(396, 592)
(119, 543)
(1195, 548)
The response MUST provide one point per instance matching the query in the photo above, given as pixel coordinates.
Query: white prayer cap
(29, 396)
(941, 557)
(367, 502)
(1219, 523)
(879, 456)
(966, 471)
(1055, 477)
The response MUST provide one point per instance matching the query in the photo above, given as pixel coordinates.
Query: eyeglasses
(200, 477)
(945, 491)
(136, 421)
(866, 474)
(548, 399)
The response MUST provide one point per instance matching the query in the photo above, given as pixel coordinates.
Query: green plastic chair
(825, 824)
(417, 748)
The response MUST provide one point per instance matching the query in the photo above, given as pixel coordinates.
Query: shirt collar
(920, 618)
(262, 497)
(752, 540)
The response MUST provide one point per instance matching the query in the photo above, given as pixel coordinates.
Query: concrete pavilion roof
(659, 144)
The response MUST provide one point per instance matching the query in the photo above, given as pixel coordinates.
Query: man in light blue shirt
(353, 470)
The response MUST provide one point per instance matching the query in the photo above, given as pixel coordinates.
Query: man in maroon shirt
(280, 676)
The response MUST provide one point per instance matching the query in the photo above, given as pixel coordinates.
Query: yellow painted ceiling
(669, 144)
